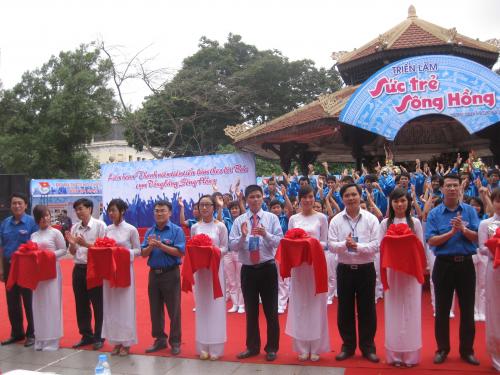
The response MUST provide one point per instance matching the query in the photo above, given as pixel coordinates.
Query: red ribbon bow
(200, 253)
(493, 245)
(298, 247)
(30, 265)
(402, 251)
(104, 242)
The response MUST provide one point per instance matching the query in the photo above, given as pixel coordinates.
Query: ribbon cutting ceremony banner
(60, 195)
(142, 183)
(424, 85)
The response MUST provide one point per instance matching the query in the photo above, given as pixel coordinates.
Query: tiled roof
(327, 106)
(413, 33)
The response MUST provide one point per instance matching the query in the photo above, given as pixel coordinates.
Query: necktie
(255, 252)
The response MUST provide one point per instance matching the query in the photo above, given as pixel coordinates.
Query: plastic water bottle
(103, 365)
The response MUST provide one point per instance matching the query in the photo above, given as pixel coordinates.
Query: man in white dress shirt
(353, 235)
(255, 235)
(82, 236)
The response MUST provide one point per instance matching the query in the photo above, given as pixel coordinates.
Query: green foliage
(46, 119)
(223, 85)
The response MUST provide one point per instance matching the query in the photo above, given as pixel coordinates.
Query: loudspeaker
(11, 183)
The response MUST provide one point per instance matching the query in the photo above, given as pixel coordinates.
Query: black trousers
(165, 289)
(261, 280)
(16, 298)
(356, 289)
(83, 299)
(448, 276)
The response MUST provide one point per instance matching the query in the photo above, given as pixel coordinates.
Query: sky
(33, 30)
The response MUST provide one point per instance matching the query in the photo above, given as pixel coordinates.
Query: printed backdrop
(142, 183)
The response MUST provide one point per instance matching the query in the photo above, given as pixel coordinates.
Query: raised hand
(180, 202)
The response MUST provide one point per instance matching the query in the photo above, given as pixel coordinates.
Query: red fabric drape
(200, 253)
(106, 261)
(297, 248)
(493, 245)
(30, 265)
(402, 251)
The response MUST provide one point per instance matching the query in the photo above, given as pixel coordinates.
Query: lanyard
(254, 220)
(353, 228)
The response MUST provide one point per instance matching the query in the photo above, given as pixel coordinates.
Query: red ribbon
(402, 251)
(493, 245)
(297, 248)
(200, 253)
(106, 261)
(30, 265)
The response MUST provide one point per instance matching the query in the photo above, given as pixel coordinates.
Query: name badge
(253, 243)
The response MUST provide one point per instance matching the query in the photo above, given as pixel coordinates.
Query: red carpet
(236, 334)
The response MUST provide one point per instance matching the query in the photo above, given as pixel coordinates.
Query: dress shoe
(175, 349)
(157, 345)
(440, 357)
(83, 342)
(471, 359)
(247, 354)
(30, 341)
(97, 345)
(343, 356)
(233, 309)
(12, 340)
(270, 356)
(372, 357)
(314, 357)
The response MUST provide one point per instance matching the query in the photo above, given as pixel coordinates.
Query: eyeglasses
(160, 211)
(205, 205)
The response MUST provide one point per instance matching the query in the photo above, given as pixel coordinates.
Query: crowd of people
(367, 224)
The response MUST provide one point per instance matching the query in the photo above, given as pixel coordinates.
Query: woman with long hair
(307, 320)
(47, 297)
(403, 336)
(119, 323)
(210, 312)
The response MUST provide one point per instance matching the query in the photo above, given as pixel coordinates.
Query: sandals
(116, 350)
(124, 350)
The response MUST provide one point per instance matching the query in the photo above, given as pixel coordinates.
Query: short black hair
(39, 211)
(403, 174)
(85, 203)
(494, 171)
(303, 191)
(274, 202)
(208, 196)
(163, 202)
(20, 196)
(452, 176)
(371, 178)
(233, 204)
(347, 179)
(120, 204)
(271, 180)
(251, 188)
(216, 194)
(331, 178)
(304, 178)
(347, 186)
(439, 178)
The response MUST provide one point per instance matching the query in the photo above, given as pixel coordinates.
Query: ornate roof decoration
(411, 33)
(235, 131)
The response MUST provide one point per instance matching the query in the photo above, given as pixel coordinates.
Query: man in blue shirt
(164, 245)
(14, 231)
(452, 232)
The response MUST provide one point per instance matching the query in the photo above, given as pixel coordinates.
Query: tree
(47, 118)
(220, 86)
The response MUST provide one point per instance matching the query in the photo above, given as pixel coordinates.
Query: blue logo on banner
(423, 85)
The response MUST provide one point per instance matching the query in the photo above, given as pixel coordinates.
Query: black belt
(454, 258)
(159, 271)
(355, 266)
(81, 266)
(260, 265)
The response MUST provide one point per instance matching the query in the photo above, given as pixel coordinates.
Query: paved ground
(81, 362)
